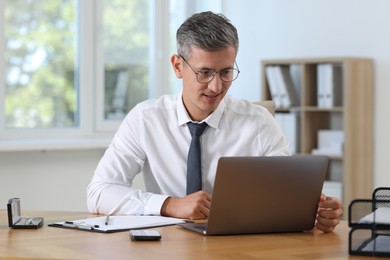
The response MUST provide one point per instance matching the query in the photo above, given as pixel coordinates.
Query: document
(117, 223)
(379, 216)
(379, 244)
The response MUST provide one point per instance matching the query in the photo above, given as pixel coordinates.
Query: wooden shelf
(354, 117)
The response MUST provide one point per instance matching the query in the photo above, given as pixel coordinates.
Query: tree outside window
(41, 61)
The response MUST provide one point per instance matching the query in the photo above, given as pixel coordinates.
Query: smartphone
(144, 235)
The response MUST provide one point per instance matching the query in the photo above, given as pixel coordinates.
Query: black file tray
(369, 220)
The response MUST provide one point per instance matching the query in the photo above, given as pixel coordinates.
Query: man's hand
(193, 206)
(329, 213)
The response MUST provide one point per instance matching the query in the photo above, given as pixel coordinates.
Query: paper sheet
(380, 244)
(379, 216)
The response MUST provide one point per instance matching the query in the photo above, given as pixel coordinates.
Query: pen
(71, 224)
(107, 219)
(83, 226)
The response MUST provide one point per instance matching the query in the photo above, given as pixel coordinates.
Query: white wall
(268, 29)
(49, 180)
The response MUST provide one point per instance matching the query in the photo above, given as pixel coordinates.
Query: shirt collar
(212, 120)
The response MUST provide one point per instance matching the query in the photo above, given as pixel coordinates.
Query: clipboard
(117, 223)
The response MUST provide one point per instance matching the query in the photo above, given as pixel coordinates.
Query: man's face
(201, 99)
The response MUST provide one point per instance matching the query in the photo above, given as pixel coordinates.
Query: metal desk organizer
(16, 221)
(369, 220)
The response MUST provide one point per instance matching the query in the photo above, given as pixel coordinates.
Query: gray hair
(207, 31)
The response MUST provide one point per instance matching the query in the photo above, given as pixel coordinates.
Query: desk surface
(176, 243)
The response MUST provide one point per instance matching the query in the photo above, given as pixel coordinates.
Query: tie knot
(197, 129)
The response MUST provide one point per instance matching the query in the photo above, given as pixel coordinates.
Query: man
(155, 138)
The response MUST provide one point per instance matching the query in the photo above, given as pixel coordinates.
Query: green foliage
(41, 53)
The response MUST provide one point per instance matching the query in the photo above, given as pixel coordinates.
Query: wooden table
(176, 243)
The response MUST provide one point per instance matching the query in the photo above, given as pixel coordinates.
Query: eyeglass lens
(205, 76)
(226, 75)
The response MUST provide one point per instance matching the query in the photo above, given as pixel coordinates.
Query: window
(123, 54)
(73, 68)
(40, 53)
(126, 43)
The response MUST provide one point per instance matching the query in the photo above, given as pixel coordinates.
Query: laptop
(264, 195)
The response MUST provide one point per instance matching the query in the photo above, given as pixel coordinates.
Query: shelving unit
(354, 169)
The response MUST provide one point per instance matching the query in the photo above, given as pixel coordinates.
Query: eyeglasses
(207, 75)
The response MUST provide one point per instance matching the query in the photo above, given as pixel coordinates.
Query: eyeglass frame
(214, 72)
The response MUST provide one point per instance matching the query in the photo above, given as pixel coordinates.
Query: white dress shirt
(154, 139)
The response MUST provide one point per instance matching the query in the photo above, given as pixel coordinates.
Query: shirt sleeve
(110, 190)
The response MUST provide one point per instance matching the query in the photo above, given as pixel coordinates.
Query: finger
(203, 194)
(204, 198)
(208, 201)
(330, 216)
(209, 197)
(202, 202)
(330, 213)
(197, 216)
(324, 228)
(205, 206)
(204, 211)
(331, 203)
(200, 213)
(325, 223)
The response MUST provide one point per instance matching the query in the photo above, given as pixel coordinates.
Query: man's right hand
(193, 206)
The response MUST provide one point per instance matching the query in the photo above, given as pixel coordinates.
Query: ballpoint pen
(107, 219)
(84, 226)
(80, 225)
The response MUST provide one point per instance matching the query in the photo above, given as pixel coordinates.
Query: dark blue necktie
(194, 174)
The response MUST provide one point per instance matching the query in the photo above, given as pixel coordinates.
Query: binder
(321, 85)
(285, 86)
(329, 85)
(281, 86)
(273, 86)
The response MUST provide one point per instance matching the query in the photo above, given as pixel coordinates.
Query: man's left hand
(329, 213)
